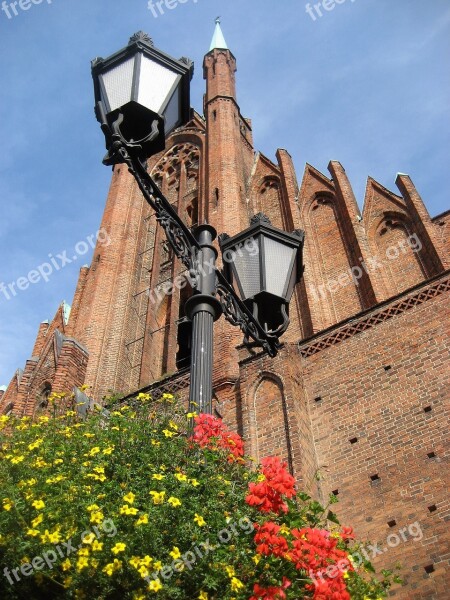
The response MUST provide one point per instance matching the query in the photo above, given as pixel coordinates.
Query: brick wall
(367, 418)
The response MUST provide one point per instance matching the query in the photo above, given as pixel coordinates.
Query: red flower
(329, 589)
(270, 593)
(267, 495)
(210, 432)
(347, 533)
(268, 542)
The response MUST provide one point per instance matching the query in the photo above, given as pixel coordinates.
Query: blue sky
(366, 84)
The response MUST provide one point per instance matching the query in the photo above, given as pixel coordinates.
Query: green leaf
(331, 516)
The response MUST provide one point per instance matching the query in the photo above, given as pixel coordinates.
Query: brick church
(356, 399)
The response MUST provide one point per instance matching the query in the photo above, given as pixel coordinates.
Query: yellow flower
(143, 520)
(261, 477)
(135, 561)
(194, 482)
(17, 459)
(158, 565)
(256, 558)
(94, 451)
(345, 575)
(167, 433)
(158, 497)
(203, 596)
(181, 476)
(139, 596)
(147, 561)
(33, 532)
(92, 507)
(97, 546)
(53, 538)
(35, 444)
(88, 539)
(97, 477)
(108, 450)
(192, 415)
(7, 504)
(119, 547)
(230, 571)
(236, 585)
(38, 504)
(128, 510)
(82, 563)
(174, 501)
(143, 397)
(99, 469)
(97, 517)
(129, 498)
(143, 572)
(66, 565)
(83, 552)
(38, 520)
(173, 426)
(284, 529)
(155, 585)
(110, 568)
(199, 520)
(175, 553)
(158, 476)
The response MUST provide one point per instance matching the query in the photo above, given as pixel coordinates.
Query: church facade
(356, 401)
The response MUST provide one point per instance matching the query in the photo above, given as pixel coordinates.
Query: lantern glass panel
(155, 84)
(246, 264)
(278, 263)
(172, 113)
(118, 83)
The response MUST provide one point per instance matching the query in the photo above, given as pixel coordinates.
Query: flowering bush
(137, 505)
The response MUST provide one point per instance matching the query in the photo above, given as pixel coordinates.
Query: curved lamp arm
(180, 237)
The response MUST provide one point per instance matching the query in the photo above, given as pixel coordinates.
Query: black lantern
(264, 263)
(141, 95)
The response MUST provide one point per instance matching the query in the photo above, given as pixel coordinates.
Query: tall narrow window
(192, 211)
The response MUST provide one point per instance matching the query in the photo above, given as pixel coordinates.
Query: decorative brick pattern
(323, 341)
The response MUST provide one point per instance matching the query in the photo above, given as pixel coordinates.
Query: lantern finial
(260, 218)
(142, 37)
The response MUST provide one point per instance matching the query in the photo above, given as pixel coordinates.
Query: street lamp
(266, 264)
(141, 95)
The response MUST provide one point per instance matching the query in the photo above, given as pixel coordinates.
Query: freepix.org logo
(11, 9)
(44, 271)
(157, 7)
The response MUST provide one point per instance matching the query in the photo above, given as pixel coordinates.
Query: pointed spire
(66, 308)
(218, 40)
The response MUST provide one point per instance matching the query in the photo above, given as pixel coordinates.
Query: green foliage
(95, 508)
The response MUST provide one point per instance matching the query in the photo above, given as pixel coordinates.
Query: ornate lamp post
(141, 95)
